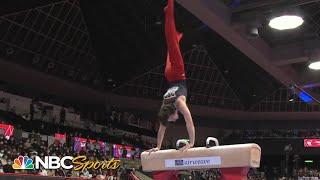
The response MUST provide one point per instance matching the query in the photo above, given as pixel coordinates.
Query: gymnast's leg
(174, 70)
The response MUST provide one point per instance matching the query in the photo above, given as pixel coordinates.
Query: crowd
(211, 174)
(120, 127)
(307, 173)
(275, 133)
(215, 174)
(116, 114)
(33, 146)
(108, 134)
(115, 131)
(254, 174)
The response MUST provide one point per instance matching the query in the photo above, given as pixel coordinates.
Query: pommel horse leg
(229, 173)
(165, 175)
(234, 173)
(169, 175)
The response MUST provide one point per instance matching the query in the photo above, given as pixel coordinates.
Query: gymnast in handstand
(175, 98)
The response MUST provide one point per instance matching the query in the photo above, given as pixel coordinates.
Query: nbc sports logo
(55, 162)
(23, 162)
(50, 162)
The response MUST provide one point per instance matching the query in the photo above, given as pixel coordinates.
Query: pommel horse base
(233, 160)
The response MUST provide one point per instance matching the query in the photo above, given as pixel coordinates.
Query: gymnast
(175, 98)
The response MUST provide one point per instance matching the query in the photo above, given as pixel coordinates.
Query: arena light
(291, 98)
(308, 161)
(305, 97)
(286, 22)
(315, 65)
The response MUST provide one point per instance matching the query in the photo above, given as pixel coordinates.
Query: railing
(12, 176)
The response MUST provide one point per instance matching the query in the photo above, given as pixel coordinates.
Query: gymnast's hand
(186, 147)
(153, 150)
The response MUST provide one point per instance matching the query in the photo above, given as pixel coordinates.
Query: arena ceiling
(119, 46)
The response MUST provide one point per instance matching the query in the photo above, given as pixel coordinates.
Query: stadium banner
(6, 130)
(312, 143)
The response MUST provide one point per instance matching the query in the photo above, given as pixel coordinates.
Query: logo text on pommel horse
(196, 161)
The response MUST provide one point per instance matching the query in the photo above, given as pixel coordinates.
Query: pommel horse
(233, 160)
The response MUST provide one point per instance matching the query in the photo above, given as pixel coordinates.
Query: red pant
(174, 70)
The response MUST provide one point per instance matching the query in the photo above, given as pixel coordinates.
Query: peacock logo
(23, 162)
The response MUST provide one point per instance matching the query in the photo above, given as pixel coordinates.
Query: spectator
(62, 115)
(124, 152)
(31, 109)
(133, 152)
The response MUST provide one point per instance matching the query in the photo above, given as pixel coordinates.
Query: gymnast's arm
(161, 131)
(183, 108)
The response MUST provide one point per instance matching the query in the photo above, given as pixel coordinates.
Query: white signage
(53, 162)
(196, 161)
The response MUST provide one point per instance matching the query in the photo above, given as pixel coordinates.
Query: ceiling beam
(296, 53)
(269, 3)
(289, 61)
(257, 4)
(311, 85)
(217, 16)
(289, 54)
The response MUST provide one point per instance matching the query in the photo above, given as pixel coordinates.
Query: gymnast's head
(168, 113)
